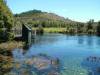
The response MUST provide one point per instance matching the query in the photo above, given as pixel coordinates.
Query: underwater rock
(43, 62)
(98, 69)
(39, 64)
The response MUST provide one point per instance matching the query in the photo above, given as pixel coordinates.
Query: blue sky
(78, 10)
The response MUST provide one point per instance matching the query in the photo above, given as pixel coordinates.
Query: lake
(72, 51)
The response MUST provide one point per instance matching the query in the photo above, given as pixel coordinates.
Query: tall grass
(11, 45)
(53, 30)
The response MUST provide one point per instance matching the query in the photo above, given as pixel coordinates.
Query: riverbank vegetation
(6, 59)
(52, 30)
(10, 45)
(6, 22)
(7, 42)
(5, 64)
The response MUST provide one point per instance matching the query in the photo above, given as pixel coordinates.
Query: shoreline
(6, 57)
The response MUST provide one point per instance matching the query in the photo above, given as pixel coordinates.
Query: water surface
(71, 50)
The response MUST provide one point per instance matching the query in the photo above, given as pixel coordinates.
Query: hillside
(35, 17)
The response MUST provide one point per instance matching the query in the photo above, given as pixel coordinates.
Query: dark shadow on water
(92, 64)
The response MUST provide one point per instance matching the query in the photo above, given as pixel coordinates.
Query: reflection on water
(39, 39)
(81, 40)
(72, 51)
(98, 41)
(90, 41)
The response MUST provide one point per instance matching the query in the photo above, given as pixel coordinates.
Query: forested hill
(35, 17)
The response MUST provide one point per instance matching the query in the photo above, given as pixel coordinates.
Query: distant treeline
(90, 27)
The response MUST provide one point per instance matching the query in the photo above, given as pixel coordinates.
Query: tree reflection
(98, 41)
(90, 40)
(80, 39)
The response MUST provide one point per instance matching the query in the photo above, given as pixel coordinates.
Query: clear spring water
(71, 50)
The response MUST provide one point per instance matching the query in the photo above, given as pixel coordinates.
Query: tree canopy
(6, 21)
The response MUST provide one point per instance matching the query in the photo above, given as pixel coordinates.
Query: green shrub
(10, 36)
(1, 35)
(5, 36)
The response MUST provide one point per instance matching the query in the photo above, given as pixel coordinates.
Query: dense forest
(6, 22)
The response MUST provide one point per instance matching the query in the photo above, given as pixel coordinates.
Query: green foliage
(98, 29)
(1, 34)
(50, 21)
(6, 21)
(90, 23)
(29, 13)
(80, 27)
(10, 36)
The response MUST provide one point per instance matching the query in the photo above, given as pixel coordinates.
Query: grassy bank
(6, 59)
(7, 47)
(10, 45)
(52, 30)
